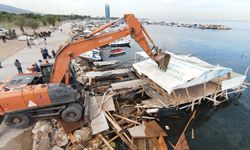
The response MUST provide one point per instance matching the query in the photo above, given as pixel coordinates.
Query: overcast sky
(152, 9)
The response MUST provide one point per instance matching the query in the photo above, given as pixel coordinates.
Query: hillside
(11, 9)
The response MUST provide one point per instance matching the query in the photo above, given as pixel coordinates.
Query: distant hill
(11, 9)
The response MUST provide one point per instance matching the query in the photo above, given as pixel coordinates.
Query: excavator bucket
(162, 59)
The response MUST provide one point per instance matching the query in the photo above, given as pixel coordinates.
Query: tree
(32, 23)
(20, 22)
(44, 21)
(51, 20)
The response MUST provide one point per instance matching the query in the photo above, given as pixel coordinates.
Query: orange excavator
(22, 104)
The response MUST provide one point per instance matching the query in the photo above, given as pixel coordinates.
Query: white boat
(93, 55)
(120, 43)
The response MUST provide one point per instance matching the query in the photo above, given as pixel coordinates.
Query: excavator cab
(47, 68)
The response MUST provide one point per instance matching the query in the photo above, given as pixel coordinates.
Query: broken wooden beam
(106, 63)
(128, 84)
(95, 74)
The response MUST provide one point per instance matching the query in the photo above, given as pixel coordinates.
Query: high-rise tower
(107, 11)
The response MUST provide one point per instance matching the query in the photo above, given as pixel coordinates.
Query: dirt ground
(21, 142)
(10, 47)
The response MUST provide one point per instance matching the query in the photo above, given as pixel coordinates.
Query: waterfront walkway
(27, 56)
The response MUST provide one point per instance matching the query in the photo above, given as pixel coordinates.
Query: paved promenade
(27, 56)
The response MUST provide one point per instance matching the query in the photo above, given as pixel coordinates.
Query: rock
(41, 141)
(43, 126)
(60, 138)
(57, 148)
(83, 134)
(41, 132)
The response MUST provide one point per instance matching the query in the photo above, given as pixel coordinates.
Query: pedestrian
(46, 51)
(18, 66)
(43, 53)
(4, 38)
(53, 53)
(37, 68)
(45, 41)
(1, 65)
(14, 32)
(28, 43)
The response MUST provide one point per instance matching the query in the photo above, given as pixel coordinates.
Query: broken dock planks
(128, 84)
(106, 63)
(94, 74)
(97, 117)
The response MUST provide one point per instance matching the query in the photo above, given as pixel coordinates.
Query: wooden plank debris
(71, 126)
(86, 106)
(153, 129)
(108, 102)
(161, 144)
(105, 142)
(148, 130)
(137, 131)
(129, 120)
(152, 103)
(128, 84)
(182, 143)
(141, 143)
(97, 117)
(94, 74)
(106, 63)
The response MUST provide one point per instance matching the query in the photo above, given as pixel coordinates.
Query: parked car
(25, 37)
(3, 31)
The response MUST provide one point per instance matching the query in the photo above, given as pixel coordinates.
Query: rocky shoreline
(188, 25)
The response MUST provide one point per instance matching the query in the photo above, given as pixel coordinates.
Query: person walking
(44, 53)
(28, 43)
(45, 41)
(4, 38)
(18, 66)
(53, 53)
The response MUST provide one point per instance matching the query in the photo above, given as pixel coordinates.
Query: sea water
(224, 127)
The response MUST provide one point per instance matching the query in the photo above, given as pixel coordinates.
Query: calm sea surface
(224, 127)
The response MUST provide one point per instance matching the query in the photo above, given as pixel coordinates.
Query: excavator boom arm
(74, 49)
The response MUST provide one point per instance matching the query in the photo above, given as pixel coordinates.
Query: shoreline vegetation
(32, 21)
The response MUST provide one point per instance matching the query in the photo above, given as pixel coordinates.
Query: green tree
(32, 23)
(44, 21)
(20, 22)
(51, 20)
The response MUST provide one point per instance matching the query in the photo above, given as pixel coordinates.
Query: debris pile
(111, 118)
(121, 105)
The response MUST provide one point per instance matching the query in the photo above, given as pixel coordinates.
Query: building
(107, 11)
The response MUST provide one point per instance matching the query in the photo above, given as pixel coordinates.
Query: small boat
(117, 51)
(93, 55)
(120, 43)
